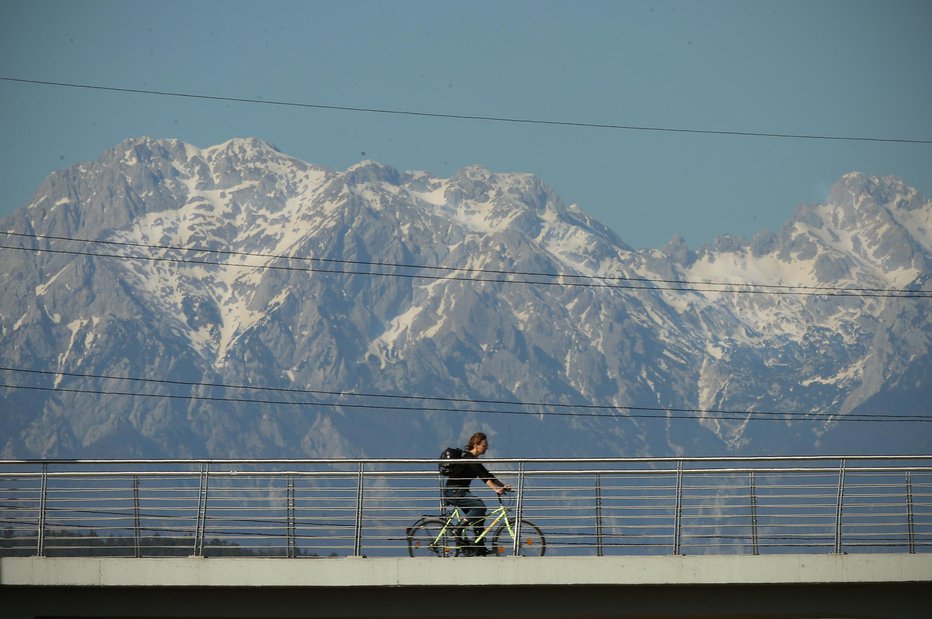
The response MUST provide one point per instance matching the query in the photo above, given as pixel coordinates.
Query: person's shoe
(481, 551)
(464, 545)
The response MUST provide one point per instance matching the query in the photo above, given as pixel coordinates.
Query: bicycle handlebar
(501, 498)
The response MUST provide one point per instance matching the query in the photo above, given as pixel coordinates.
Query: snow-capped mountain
(254, 305)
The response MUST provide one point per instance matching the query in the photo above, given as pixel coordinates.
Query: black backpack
(450, 453)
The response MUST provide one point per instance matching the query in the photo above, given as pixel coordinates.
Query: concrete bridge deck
(867, 585)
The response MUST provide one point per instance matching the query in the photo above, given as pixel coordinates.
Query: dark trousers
(472, 506)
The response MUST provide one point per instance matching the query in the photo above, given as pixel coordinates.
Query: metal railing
(596, 507)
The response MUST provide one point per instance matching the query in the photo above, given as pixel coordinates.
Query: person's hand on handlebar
(502, 490)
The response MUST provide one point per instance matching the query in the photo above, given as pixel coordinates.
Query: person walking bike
(456, 490)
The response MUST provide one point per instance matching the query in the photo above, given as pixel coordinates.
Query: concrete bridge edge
(863, 586)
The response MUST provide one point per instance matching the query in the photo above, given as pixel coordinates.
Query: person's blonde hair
(475, 439)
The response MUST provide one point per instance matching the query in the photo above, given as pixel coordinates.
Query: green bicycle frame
(500, 513)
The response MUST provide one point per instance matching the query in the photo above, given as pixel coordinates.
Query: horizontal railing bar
(334, 461)
(828, 472)
(421, 475)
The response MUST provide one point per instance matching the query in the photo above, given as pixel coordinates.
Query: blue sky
(833, 68)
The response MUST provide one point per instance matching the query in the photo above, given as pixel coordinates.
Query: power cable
(674, 285)
(469, 117)
(644, 412)
(440, 268)
(671, 413)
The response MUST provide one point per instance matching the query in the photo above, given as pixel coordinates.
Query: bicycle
(435, 535)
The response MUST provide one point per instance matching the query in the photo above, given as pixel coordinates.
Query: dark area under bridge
(886, 602)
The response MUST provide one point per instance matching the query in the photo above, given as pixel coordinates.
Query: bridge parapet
(602, 507)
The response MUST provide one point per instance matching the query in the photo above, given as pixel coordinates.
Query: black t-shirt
(464, 472)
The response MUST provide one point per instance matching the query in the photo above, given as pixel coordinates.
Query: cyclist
(456, 490)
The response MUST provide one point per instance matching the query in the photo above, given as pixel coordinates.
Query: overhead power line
(468, 117)
(553, 278)
(581, 409)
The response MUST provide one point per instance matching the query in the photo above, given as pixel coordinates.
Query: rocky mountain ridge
(238, 265)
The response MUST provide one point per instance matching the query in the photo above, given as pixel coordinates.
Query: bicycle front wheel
(532, 543)
(425, 540)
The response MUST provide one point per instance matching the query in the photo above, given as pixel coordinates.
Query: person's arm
(490, 480)
(497, 486)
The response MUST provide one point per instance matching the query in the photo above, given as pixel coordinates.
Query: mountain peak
(245, 147)
(369, 171)
(474, 172)
(858, 192)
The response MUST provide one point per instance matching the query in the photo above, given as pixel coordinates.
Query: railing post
(137, 521)
(838, 506)
(43, 493)
(598, 515)
(752, 488)
(357, 533)
(289, 517)
(678, 514)
(519, 511)
(201, 524)
(910, 525)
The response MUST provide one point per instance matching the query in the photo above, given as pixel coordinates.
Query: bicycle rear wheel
(532, 543)
(425, 540)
